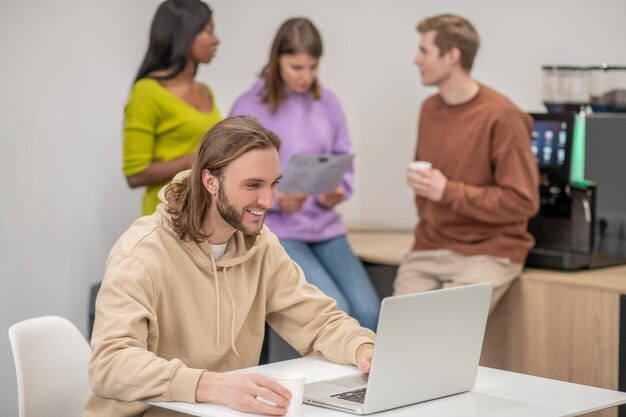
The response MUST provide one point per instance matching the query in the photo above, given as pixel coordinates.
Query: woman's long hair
(174, 28)
(295, 36)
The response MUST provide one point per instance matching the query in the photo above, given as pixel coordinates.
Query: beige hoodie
(167, 311)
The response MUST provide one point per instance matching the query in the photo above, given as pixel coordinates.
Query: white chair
(51, 358)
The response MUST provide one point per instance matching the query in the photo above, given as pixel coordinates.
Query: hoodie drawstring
(217, 307)
(232, 322)
(217, 304)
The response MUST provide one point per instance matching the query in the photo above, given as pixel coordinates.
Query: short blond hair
(453, 32)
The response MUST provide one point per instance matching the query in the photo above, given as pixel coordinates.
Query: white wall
(66, 67)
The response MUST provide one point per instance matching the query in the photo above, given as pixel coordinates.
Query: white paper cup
(420, 165)
(294, 382)
(417, 168)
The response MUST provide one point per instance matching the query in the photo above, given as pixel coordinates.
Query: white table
(496, 394)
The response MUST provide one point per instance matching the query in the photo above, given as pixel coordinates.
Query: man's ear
(455, 55)
(211, 182)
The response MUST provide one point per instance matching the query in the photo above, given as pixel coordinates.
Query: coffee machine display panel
(552, 138)
(568, 232)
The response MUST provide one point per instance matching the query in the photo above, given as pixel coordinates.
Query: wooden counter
(380, 246)
(560, 325)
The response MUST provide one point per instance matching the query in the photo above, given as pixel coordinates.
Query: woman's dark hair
(174, 27)
(296, 35)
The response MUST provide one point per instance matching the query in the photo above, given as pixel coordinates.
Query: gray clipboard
(314, 174)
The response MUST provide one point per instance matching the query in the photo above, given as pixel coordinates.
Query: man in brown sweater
(187, 291)
(475, 201)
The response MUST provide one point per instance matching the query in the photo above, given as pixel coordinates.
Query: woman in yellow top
(168, 111)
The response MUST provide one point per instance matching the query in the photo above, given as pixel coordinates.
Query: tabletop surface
(496, 393)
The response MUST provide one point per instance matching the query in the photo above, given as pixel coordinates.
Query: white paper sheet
(314, 174)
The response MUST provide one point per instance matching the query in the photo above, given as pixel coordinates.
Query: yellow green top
(160, 127)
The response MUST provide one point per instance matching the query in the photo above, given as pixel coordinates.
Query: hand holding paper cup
(294, 382)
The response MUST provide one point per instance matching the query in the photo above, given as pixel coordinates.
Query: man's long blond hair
(188, 202)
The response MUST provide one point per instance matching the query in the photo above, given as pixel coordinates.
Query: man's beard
(230, 214)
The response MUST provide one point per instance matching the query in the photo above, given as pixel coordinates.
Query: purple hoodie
(305, 126)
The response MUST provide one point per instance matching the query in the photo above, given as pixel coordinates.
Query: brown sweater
(167, 310)
(483, 148)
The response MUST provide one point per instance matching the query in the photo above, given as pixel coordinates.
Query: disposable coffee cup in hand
(294, 382)
(420, 165)
(416, 168)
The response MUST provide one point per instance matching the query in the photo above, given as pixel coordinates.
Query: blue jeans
(331, 266)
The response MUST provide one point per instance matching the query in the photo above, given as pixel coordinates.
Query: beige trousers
(432, 269)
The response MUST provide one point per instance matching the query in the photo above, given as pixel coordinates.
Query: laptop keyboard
(357, 395)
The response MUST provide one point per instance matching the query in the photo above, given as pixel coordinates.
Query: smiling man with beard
(187, 291)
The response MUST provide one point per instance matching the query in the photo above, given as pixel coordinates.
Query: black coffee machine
(568, 233)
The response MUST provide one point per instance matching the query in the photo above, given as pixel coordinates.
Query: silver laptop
(427, 346)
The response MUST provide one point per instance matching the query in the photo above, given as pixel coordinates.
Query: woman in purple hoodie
(288, 99)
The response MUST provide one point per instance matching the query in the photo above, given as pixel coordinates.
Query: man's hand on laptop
(241, 392)
(364, 357)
